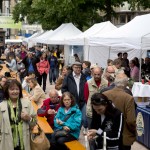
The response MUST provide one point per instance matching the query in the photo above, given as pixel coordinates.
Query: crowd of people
(85, 95)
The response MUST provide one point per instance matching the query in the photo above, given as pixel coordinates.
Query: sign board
(8, 22)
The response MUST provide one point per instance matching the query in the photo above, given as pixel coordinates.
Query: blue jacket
(74, 121)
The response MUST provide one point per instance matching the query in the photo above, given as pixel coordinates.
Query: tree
(52, 13)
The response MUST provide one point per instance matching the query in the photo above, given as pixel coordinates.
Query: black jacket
(113, 126)
(69, 85)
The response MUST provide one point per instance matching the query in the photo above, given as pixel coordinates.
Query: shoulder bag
(39, 141)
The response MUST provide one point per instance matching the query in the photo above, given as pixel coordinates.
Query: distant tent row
(102, 40)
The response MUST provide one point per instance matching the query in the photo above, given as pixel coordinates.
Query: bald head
(110, 69)
(53, 94)
(97, 72)
(121, 80)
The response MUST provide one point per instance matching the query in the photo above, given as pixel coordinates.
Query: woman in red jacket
(43, 68)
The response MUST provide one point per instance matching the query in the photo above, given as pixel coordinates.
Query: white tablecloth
(141, 90)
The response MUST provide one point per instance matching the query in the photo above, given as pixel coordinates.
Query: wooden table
(42, 121)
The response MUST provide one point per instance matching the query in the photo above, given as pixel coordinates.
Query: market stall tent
(96, 29)
(59, 36)
(132, 37)
(43, 38)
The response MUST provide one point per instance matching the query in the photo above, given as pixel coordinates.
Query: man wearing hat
(74, 83)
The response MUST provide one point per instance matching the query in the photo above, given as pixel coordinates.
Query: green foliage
(52, 13)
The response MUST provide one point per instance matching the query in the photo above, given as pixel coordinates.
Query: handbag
(61, 133)
(39, 141)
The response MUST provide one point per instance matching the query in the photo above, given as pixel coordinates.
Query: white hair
(121, 82)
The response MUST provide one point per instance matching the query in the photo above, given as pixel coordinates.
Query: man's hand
(51, 112)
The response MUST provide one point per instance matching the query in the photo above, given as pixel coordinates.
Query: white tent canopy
(133, 37)
(130, 35)
(30, 40)
(32, 36)
(96, 29)
(43, 38)
(62, 33)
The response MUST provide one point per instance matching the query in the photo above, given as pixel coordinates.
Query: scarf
(16, 124)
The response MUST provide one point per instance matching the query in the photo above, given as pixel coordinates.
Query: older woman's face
(14, 92)
(67, 101)
(100, 109)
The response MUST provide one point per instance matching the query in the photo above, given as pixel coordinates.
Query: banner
(8, 22)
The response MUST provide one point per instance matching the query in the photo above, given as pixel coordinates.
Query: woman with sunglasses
(106, 118)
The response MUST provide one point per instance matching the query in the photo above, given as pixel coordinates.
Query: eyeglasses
(77, 67)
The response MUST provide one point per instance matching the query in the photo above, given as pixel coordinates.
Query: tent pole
(88, 51)
(109, 53)
(140, 65)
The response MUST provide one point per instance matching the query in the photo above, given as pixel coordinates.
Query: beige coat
(93, 88)
(6, 139)
(37, 95)
(125, 103)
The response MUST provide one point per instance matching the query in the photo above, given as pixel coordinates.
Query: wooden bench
(75, 145)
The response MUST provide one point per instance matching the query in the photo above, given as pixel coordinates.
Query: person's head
(119, 55)
(147, 60)
(11, 49)
(125, 55)
(13, 89)
(11, 57)
(121, 80)
(77, 67)
(101, 104)
(109, 62)
(3, 80)
(29, 54)
(117, 63)
(18, 58)
(43, 56)
(32, 82)
(75, 55)
(110, 73)
(67, 100)
(86, 64)
(53, 94)
(65, 70)
(97, 73)
(31, 74)
(132, 63)
(22, 49)
(136, 61)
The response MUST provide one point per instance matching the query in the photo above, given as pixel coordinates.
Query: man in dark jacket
(74, 83)
(30, 62)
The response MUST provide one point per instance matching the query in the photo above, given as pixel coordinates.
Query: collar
(74, 75)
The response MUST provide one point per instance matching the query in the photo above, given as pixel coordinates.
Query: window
(122, 18)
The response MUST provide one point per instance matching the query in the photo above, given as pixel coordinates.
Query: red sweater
(43, 66)
(86, 90)
(47, 104)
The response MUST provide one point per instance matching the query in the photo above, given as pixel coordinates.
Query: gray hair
(121, 80)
